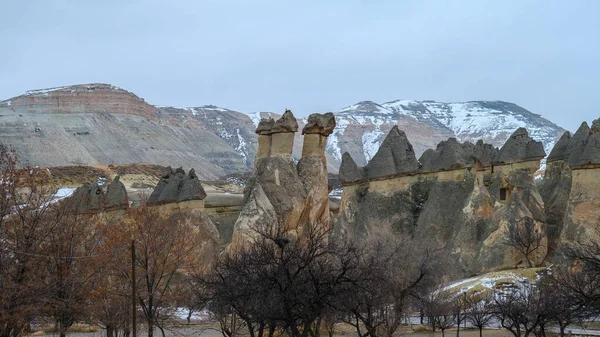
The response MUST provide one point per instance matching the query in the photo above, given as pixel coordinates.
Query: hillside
(93, 124)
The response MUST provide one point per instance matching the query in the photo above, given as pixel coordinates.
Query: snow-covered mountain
(362, 126)
(102, 124)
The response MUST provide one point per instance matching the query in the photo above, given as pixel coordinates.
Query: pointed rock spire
(396, 155)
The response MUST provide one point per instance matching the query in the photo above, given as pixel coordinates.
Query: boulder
(322, 124)
(395, 155)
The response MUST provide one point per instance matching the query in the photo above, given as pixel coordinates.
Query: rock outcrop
(93, 198)
(282, 196)
(175, 187)
(571, 189)
(460, 197)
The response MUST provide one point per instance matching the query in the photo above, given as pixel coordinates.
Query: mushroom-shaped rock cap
(265, 126)
(175, 186)
(591, 152)
(349, 171)
(577, 145)
(320, 123)
(395, 155)
(287, 123)
(192, 188)
(485, 153)
(520, 147)
(449, 154)
(559, 149)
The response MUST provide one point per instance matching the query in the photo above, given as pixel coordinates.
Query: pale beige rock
(282, 144)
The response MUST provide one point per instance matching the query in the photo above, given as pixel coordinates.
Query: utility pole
(133, 293)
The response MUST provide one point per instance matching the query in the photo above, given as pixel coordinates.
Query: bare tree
(479, 312)
(25, 204)
(525, 236)
(521, 309)
(165, 246)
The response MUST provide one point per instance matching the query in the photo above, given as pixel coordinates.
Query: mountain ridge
(360, 131)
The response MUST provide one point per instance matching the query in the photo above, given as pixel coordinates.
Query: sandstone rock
(349, 171)
(494, 252)
(555, 190)
(265, 126)
(192, 188)
(560, 148)
(287, 123)
(320, 123)
(396, 155)
(520, 147)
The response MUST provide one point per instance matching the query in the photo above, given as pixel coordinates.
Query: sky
(311, 56)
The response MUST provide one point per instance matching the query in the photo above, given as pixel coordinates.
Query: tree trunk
(458, 329)
(150, 321)
(480, 331)
(110, 332)
(562, 330)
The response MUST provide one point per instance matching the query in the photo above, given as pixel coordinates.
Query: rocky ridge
(462, 196)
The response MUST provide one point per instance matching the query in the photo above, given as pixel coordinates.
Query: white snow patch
(255, 117)
(42, 91)
(242, 146)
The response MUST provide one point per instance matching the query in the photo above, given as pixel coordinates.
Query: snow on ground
(63, 192)
(182, 313)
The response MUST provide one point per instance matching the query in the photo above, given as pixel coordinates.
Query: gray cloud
(311, 55)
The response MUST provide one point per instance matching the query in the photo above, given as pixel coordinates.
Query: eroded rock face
(396, 155)
(458, 199)
(91, 198)
(174, 186)
(571, 189)
(282, 197)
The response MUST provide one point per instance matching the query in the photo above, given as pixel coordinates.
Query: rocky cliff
(283, 197)
(461, 196)
(571, 188)
(102, 124)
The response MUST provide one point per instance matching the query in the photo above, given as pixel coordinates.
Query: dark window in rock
(503, 193)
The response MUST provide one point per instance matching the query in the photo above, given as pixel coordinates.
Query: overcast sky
(311, 56)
